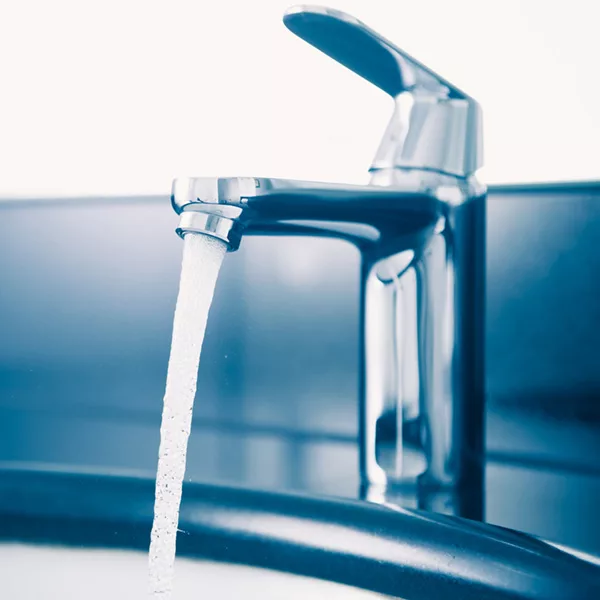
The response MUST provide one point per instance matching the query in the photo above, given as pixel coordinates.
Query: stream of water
(202, 259)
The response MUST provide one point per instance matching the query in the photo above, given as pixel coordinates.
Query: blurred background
(104, 104)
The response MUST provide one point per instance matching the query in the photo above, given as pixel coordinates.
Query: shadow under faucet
(420, 227)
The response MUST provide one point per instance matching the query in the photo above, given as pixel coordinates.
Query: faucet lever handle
(435, 126)
(362, 50)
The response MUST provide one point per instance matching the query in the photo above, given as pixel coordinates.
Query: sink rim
(397, 552)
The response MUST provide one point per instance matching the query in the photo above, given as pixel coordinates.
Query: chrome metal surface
(420, 226)
(405, 554)
(214, 224)
(434, 124)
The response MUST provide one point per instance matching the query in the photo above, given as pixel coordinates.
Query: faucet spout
(377, 219)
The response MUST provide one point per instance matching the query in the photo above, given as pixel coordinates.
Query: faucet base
(467, 501)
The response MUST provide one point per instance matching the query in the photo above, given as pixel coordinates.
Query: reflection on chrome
(420, 227)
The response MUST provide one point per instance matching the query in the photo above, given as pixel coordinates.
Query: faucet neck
(449, 189)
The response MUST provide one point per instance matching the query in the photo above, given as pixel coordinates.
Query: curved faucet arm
(367, 215)
(435, 126)
(199, 193)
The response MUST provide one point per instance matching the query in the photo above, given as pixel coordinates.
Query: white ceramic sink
(53, 573)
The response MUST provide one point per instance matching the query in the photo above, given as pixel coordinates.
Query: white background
(120, 96)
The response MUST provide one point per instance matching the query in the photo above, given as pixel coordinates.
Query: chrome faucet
(420, 227)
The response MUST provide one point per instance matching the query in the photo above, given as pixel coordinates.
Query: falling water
(202, 258)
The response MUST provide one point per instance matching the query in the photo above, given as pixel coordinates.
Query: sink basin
(95, 574)
(235, 541)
